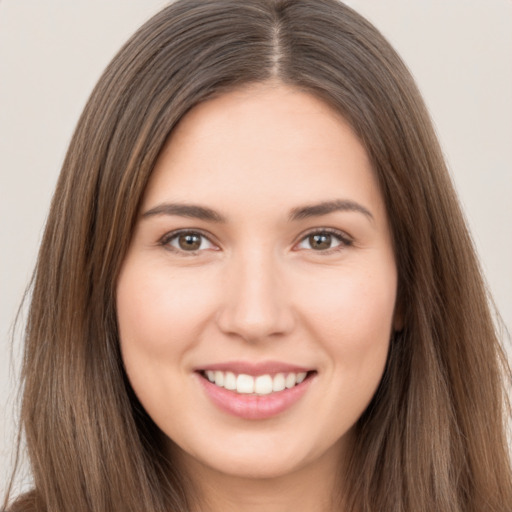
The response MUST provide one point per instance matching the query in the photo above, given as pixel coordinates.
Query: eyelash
(343, 239)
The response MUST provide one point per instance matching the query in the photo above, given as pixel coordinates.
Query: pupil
(190, 242)
(322, 241)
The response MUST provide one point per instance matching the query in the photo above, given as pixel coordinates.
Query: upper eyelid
(174, 233)
(343, 235)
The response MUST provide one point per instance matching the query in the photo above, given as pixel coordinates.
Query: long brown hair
(434, 436)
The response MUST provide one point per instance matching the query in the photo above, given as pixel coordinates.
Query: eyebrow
(326, 207)
(302, 212)
(185, 210)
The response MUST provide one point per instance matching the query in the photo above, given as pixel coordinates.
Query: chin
(258, 458)
(255, 467)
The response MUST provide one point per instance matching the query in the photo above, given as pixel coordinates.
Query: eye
(187, 241)
(324, 240)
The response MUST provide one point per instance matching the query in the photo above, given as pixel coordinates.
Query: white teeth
(244, 384)
(300, 377)
(219, 378)
(230, 381)
(278, 383)
(263, 385)
(291, 380)
(260, 385)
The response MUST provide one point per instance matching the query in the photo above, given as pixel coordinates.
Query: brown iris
(189, 241)
(320, 241)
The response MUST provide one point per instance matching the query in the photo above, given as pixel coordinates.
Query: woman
(248, 296)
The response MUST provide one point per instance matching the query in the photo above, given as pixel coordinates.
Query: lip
(254, 368)
(255, 407)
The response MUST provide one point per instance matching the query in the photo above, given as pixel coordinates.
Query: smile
(255, 391)
(258, 385)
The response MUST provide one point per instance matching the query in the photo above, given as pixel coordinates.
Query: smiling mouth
(259, 385)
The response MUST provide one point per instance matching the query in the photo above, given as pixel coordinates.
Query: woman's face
(261, 261)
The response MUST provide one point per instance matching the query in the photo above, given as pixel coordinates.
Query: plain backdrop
(53, 52)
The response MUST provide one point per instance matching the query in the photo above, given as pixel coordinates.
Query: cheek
(355, 305)
(352, 318)
(160, 318)
(159, 312)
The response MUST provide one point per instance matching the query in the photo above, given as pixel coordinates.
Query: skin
(257, 290)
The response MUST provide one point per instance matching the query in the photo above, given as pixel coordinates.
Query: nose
(256, 303)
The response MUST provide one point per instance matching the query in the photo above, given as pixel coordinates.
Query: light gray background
(52, 53)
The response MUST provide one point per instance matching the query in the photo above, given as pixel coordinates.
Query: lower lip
(254, 407)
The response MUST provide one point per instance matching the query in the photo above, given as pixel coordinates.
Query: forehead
(261, 146)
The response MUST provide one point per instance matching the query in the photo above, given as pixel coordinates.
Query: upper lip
(255, 368)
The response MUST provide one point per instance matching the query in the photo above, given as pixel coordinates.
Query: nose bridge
(256, 304)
